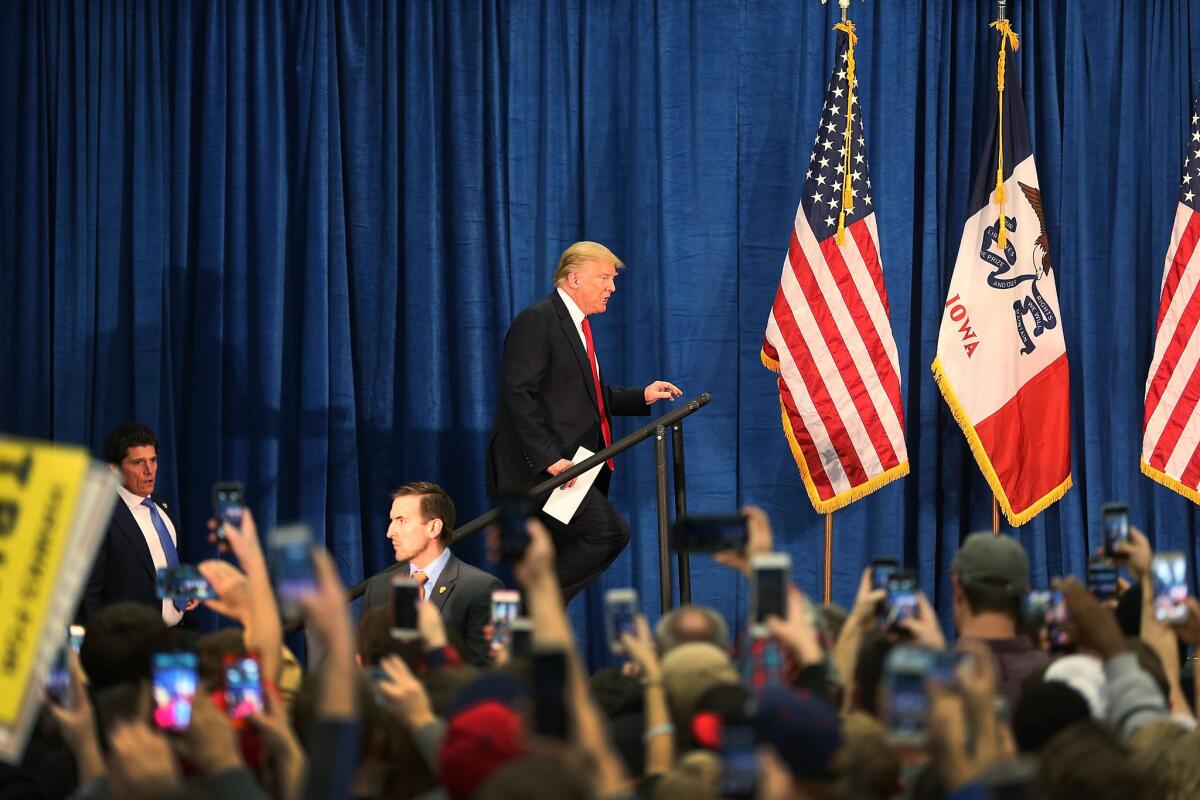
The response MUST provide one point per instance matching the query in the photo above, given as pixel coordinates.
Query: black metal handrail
(673, 419)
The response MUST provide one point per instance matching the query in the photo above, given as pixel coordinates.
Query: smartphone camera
(506, 607)
(739, 759)
(243, 686)
(1046, 607)
(522, 638)
(881, 570)
(229, 502)
(901, 597)
(621, 608)
(904, 673)
(290, 549)
(1102, 580)
(549, 674)
(770, 573)
(183, 582)
(709, 534)
(1169, 572)
(1115, 518)
(515, 511)
(174, 686)
(405, 596)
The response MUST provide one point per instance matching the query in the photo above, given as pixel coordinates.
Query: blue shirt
(432, 571)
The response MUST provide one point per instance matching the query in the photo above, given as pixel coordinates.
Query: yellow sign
(40, 486)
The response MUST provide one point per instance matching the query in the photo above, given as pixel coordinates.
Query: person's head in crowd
(131, 450)
(689, 671)
(1084, 674)
(375, 641)
(873, 768)
(830, 619)
(535, 776)
(210, 653)
(989, 575)
(868, 671)
(806, 734)
(690, 623)
(422, 519)
(445, 684)
(1171, 753)
(616, 694)
(389, 763)
(1044, 709)
(1087, 760)
(696, 776)
(479, 741)
(120, 641)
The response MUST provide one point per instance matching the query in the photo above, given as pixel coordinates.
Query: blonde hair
(578, 254)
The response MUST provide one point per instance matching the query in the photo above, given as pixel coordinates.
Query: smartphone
(183, 582)
(173, 687)
(762, 665)
(770, 575)
(229, 501)
(515, 511)
(904, 674)
(943, 668)
(1169, 571)
(1115, 519)
(621, 608)
(1048, 607)
(58, 680)
(75, 635)
(290, 554)
(901, 603)
(405, 594)
(709, 534)
(549, 674)
(522, 638)
(243, 686)
(1102, 579)
(506, 607)
(739, 759)
(881, 570)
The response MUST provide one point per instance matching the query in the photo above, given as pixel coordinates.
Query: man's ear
(436, 531)
(957, 587)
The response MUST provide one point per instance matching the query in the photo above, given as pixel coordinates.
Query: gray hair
(669, 633)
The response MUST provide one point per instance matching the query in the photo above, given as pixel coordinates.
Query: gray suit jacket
(463, 594)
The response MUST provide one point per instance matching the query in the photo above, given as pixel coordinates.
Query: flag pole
(829, 557)
(995, 516)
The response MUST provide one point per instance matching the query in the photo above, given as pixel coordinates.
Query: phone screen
(739, 760)
(404, 608)
(291, 566)
(881, 570)
(905, 671)
(1169, 571)
(711, 534)
(506, 607)
(174, 686)
(228, 504)
(58, 680)
(183, 582)
(243, 686)
(902, 597)
(762, 664)
(621, 610)
(770, 593)
(549, 671)
(522, 639)
(1115, 518)
(515, 512)
(1102, 581)
(1048, 606)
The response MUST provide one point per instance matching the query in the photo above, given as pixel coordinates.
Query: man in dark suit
(553, 399)
(141, 537)
(422, 519)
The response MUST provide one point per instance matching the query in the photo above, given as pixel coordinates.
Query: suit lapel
(572, 334)
(445, 584)
(137, 540)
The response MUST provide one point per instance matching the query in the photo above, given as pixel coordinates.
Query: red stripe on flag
(1179, 339)
(1183, 254)
(1177, 422)
(770, 350)
(1191, 475)
(822, 401)
(816, 469)
(866, 246)
(846, 366)
(1028, 438)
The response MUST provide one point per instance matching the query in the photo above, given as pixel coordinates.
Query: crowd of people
(824, 704)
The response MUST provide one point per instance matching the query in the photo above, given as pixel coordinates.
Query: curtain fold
(290, 236)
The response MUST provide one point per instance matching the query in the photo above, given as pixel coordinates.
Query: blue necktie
(168, 546)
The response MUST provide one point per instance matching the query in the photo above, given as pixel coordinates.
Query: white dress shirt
(432, 570)
(141, 515)
(577, 316)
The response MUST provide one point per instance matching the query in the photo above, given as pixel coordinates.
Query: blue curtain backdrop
(290, 236)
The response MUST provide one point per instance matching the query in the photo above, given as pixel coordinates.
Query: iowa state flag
(1001, 357)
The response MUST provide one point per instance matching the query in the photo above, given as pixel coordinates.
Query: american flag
(829, 335)
(1171, 426)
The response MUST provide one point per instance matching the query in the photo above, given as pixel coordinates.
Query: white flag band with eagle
(829, 334)
(1001, 357)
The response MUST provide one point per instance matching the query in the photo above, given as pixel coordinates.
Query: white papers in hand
(563, 502)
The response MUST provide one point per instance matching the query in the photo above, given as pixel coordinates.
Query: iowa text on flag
(829, 334)
(1001, 357)
(1171, 426)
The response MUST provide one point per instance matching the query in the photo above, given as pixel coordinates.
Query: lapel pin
(441, 589)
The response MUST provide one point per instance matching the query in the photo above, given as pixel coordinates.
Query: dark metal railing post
(664, 551)
(685, 567)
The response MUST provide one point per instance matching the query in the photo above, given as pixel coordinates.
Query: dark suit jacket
(463, 594)
(546, 407)
(123, 570)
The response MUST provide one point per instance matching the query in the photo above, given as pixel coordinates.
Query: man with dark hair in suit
(422, 519)
(552, 400)
(141, 538)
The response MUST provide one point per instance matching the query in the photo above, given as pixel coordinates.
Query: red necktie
(605, 428)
